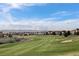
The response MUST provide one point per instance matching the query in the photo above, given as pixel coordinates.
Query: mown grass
(42, 45)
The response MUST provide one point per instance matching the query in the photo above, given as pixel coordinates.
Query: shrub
(17, 39)
(12, 40)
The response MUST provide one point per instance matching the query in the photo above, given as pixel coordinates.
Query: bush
(17, 39)
(12, 40)
(7, 40)
(1, 35)
(1, 42)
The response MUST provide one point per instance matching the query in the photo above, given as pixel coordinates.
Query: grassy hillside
(44, 45)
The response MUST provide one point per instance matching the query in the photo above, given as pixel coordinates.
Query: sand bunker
(66, 41)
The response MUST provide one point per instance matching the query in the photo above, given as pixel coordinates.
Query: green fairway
(42, 45)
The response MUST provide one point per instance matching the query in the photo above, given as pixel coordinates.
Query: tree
(9, 35)
(77, 33)
(65, 34)
(60, 33)
(54, 33)
(68, 32)
(46, 33)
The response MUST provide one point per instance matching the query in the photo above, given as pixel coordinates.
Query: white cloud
(34, 24)
(10, 6)
(41, 24)
(19, 5)
(61, 13)
(64, 13)
(37, 24)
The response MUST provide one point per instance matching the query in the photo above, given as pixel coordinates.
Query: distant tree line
(64, 33)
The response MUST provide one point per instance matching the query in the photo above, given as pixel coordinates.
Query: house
(75, 32)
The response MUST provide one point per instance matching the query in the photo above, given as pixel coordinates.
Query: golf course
(42, 45)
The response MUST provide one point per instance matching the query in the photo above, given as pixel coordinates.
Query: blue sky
(46, 11)
(39, 16)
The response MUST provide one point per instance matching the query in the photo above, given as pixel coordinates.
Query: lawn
(42, 45)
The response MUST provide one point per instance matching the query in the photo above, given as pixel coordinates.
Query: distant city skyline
(39, 16)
